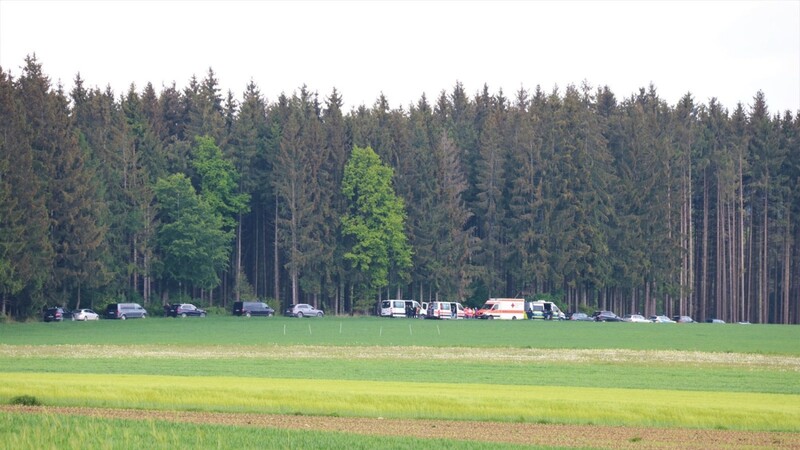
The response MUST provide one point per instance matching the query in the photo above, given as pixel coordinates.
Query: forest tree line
(629, 204)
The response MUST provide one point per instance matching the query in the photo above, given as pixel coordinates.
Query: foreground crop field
(729, 378)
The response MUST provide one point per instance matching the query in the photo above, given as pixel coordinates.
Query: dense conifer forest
(627, 203)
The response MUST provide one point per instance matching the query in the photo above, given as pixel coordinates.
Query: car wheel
(122, 317)
(300, 314)
(183, 315)
(247, 314)
(513, 317)
(319, 314)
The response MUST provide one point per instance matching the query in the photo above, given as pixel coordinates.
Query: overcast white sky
(727, 50)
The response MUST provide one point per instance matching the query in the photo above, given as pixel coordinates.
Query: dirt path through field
(516, 433)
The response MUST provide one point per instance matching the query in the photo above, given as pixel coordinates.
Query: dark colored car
(304, 310)
(683, 319)
(606, 316)
(125, 311)
(56, 314)
(184, 310)
(248, 309)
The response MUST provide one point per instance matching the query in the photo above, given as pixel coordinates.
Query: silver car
(85, 314)
(304, 310)
(661, 319)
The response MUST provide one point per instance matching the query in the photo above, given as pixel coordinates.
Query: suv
(304, 310)
(56, 314)
(248, 309)
(183, 310)
(124, 311)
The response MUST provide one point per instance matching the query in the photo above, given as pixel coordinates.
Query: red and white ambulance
(502, 308)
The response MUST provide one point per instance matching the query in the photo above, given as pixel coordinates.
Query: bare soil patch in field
(515, 433)
(664, 357)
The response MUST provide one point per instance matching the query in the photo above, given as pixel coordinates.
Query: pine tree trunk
(256, 247)
(731, 269)
(275, 262)
(237, 286)
(786, 268)
(764, 297)
(740, 235)
(751, 275)
(690, 295)
(704, 256)
(266, 255)
(719, 263)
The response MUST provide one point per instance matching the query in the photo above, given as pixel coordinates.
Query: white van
(440, 310)
(502, 308)
(458, 308)
(541, 309)
(400, 308)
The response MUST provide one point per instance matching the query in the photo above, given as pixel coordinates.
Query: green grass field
(228, 330)
(23, 431)
(738, 377)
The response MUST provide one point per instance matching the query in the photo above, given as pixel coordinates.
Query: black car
(56, 314)
(183, 310)
(248, 309)
(606, 316)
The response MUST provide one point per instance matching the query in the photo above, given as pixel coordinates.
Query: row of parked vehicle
(124, 311)
(494, 308)
(249, 309)
(609, 316)
(58, 314)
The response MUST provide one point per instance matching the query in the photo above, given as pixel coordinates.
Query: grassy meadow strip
(483, 402)
(374, 331)
(669, 370)
(40, 431)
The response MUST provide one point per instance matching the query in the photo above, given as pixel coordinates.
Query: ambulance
(502, 308)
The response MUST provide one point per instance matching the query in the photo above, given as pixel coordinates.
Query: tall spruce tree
(247, 148)
(489, 205)
(337, 144)
(25, 220)
(77, 210)
(294, 188)
(12, 216)
(455, 241)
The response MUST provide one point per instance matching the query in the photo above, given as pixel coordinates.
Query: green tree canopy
(219, 181)
(374, 223)
(193, 245)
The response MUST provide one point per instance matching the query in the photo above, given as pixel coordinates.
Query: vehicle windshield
(488, 305)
